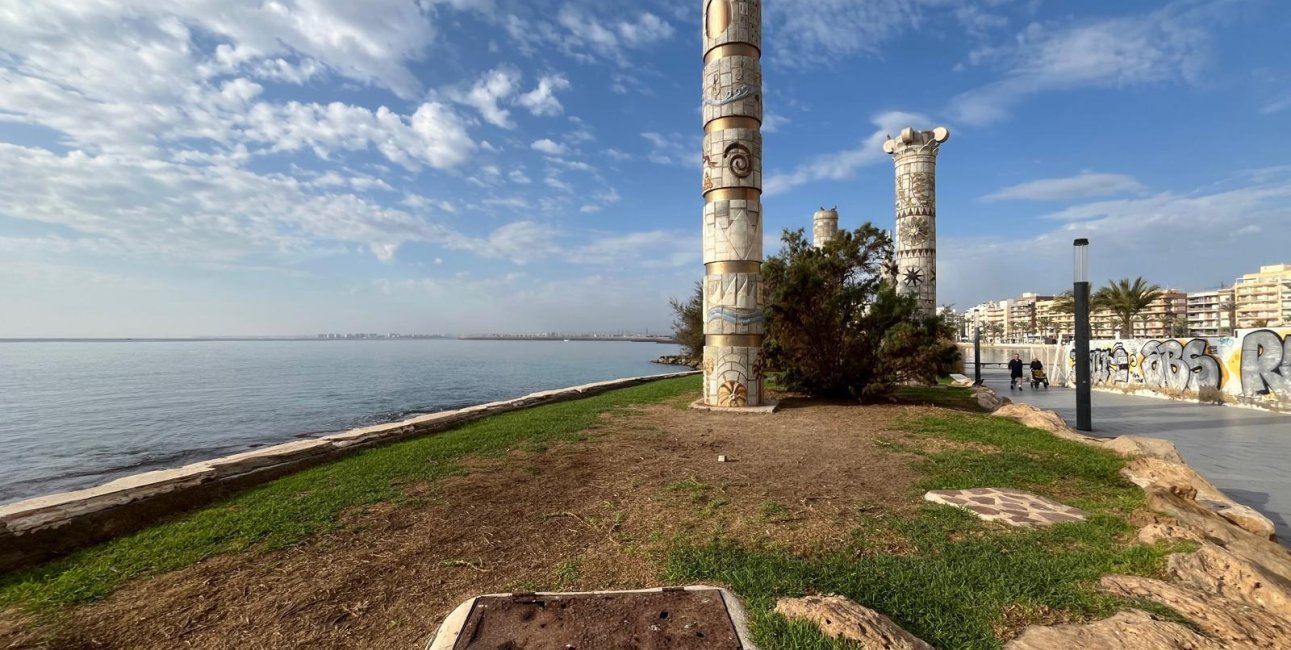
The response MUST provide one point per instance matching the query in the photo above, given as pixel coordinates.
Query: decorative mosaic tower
(732, 161)
(824, 225)
(915, 155)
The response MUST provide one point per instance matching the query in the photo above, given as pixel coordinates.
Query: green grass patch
(956, 582)
(292, 509)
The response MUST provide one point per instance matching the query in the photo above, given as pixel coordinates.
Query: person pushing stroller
(1015, 372)
(1037, 374)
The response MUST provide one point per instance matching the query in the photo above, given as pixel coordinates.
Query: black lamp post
(977, 354)
(1080, 300)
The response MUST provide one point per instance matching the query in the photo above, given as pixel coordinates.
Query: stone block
(56, 509)
(267, 457)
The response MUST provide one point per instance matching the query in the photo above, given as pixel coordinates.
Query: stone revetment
(734, 323)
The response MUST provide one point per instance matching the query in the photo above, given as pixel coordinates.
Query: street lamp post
(1080, 300)
(977, 355)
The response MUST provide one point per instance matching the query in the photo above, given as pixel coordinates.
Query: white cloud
(1276, 106)
(557, 184)
(542, 100)
(1189, 241)
(843, 164)
(371, 42)
(1168, 44)
(549, 147)
(485, 94)
(1086, 184)
(153, 209)
(517, 176)
(588, 34)
(809, 33)
(673, 149)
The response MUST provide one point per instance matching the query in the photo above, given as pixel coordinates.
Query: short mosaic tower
(732, 185)
(824, 225)
(915, 155)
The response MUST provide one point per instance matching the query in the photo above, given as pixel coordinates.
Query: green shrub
(836, 328)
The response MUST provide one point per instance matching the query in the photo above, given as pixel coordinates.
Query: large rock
(839, 617)
(1231, 623)
(1044, 420)
(1183, 480)
(1214, 570)
(1136, 446)
(1193, 516)
(1132, 629)
(987, 398)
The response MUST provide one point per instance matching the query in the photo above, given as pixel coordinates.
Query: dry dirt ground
(597, 514)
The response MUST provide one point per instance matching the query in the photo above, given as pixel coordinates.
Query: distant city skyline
(197, 169)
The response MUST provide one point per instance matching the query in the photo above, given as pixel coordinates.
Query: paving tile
(1009, 506)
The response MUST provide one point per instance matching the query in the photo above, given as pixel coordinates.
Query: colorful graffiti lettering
(1266, 364)
(1181, 366)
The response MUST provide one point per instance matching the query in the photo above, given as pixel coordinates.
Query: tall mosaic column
(732, 163)
(915, 155)
(824, 225)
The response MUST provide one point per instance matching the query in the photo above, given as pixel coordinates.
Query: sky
(281, 167)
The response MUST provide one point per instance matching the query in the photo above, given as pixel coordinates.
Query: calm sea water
(74, 415)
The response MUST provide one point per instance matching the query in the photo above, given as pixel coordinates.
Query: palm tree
(1126, 300)
(1046, 326)
(1063, 303)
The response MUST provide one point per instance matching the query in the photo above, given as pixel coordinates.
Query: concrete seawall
(44, 527)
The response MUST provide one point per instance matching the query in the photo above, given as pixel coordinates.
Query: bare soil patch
(596, 514)
(684, 620)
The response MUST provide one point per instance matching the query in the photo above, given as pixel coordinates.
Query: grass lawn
(286, 511)
(820, 498)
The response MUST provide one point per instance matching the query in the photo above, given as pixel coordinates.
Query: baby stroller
(1038, 377)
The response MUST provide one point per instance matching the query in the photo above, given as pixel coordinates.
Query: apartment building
(1165, 317)
(1263, 299)
(1210, 313)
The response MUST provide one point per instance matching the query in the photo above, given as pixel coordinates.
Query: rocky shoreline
(678, 360)
(1233, 585)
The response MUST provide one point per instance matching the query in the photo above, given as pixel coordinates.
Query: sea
(76, 414)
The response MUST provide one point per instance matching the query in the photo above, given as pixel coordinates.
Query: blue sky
(216, 167)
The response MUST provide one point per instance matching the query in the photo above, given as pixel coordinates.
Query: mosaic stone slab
(1013, 507)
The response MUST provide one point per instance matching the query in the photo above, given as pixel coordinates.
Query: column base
(732, 376)
(766, 408)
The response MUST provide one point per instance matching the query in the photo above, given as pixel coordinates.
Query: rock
(839, 617)
(1135, 446)
(1186, 482)
(1231, 623)
(960, 381)
(1213, 570)
(987, 400)
(1271, 556)
(677, 360)
(1044, 420)
(1132, 629)
(1154, 533)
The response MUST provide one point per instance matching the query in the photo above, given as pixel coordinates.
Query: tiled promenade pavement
(1244, 452)
(1013, 507)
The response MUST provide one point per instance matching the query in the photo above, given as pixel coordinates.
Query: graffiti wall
(1254, 366)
